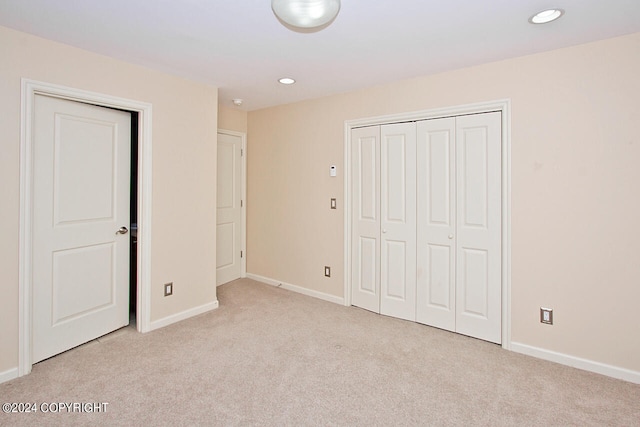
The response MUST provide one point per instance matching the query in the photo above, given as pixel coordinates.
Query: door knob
(122, 230)
(384, 230)
(450, 236)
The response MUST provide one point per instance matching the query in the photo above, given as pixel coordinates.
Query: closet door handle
(384, 230)
(450, 236)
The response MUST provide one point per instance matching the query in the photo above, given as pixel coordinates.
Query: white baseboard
(577, 362)
(166, 321)
(8, 375)
(298, 289)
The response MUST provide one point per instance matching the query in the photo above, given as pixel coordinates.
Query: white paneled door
(436, 190)
(478, 237)
(365, 256)
(229, 209)
(384, 219)
(459, 225)
(80, 223)
(398, 220)
(426, 222)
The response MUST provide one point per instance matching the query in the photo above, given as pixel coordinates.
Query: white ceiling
(240, 47)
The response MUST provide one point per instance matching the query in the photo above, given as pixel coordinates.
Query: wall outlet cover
(546, 316)
(168, 289)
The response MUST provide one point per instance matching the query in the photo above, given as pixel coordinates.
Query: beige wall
(184, 172)
(232, 119)
(575, 187)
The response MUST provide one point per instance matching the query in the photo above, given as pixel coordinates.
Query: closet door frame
(504, 107)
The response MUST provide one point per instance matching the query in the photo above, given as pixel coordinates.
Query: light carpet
(268, 357)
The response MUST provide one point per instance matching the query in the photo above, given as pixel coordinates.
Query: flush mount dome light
(306, 14)
(546, 16)
(287, 81)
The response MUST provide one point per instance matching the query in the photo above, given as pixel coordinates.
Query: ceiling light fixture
(546, 16)
(306, 14)
(237, 102)
(287, 81)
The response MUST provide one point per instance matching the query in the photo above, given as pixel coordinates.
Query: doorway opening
(133, 215)
(140, 196)
(231, 223)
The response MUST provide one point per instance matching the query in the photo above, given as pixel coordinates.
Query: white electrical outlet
(546, 315)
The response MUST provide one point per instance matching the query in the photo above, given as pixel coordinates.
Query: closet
(426, 222)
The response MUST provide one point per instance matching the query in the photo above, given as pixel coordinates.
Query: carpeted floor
(272, 357)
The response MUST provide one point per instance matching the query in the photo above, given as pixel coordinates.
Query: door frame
(503, 106)
(243, 195)
(29, 89)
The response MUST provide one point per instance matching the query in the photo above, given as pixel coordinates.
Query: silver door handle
(122, 230)
(450, 236)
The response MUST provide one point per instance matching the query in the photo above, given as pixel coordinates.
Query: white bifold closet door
(365, 214)
(398, 220)
(459, 225)
(426, 222)
(384, 219)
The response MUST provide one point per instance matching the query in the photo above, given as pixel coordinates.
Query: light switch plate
(333, 203)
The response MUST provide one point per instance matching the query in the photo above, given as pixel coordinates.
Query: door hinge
(241, 203)
(241, 254)
(241, 152)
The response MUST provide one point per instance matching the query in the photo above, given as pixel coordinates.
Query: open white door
(81, 191)
(229, 222)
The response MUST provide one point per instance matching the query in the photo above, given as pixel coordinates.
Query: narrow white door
(478, 239)
(80, 222)
(229, 209)
(436, 228)
(398, 220)
(365, 237)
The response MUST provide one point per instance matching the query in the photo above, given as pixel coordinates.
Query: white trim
(29, 89)
(183, 315)
(298, 289)
(504, 106)
(506, 225)
(243, 210)
(577, 362)
(8, 375)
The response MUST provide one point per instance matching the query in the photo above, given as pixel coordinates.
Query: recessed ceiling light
(546, 16)
(237, 102)
(287, 81)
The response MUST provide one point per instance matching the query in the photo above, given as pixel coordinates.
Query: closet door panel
(365, 237)
(478, 241)
(398, 220)
(395, 270)
(474, 282)
(436, 222)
